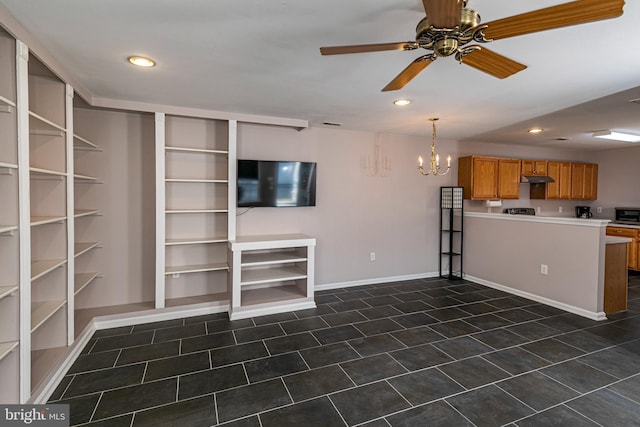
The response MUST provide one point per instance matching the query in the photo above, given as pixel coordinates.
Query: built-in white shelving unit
(271, 274)
(195, 198)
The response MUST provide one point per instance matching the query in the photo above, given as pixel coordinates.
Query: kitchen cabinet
(534, 167)
(633, 233)
(616, 278)
(560, 189)
(584, 181)
(489, 178)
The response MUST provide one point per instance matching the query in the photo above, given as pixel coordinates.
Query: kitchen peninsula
(558, 261)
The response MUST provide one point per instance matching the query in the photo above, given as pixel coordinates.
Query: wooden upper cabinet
(561, 174)
(584, 181)
(489, 178)
(534, 167)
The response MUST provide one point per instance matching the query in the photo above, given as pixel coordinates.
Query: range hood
(536, 179)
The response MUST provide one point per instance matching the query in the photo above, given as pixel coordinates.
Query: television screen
(266, 183)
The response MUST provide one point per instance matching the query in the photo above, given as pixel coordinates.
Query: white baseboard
(593, 315)
(375, 281)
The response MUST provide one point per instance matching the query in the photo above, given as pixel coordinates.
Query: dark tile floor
(418, 353)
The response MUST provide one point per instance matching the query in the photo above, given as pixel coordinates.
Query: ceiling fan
(449, 27)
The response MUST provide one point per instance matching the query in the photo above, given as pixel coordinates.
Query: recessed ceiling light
(141, 61)
(402, 102)
(535, 130)
(616, 136)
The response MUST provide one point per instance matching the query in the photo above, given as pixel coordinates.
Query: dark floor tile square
(135, 398)
(339, 333)
(373, 368)
(445, 314)
(258, 333)
(313, 413)
(379, 312)
(368, 402)
(238, 353)
(608, 408)
(80, 409)
(178, 332)
(199, 412)
(379, 326)
(328, 354)
(320, 310)
(121, 421)
(158, 325)
(438, 292)
(274, 318)
(585, 340)
(343, 318)
(411, 306)
(211, 380)
(253, 421)
(437, 414)
(615, 334)
(532, 330)
(557, 417)
(537, 390)
(544, 310)
(506, 303)
(553, 350)
(376, 423)
(474, 372)
(518, 315)
(317, 382)
(629, 388)
(304, 325)
(91, 362)
(415, 319)
(383, 300)
(251, 399)
(291, 343)
(488, 321)
(425, 386)
(472, 297)
(274, 366)
(105, 379)
(148, 352)
(411, 296)
(444, 302)
(420, 357)
(326, 299)
(348, 305)
(207, 318)
(376, 344)
(578, 376)
(462, 347)
(177, 365)
(123, 330)
(613, 362)
(350, 295)
(516, 360)
(221, 325)
(417, 336)
(568, 322)
(60, 389)
(500, 338)
(122, 341)
(489, 406)
(454, 328)
(477, 308)
(207, 342)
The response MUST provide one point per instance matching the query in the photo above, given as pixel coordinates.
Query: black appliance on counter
(628, 216)
(519, 211)
(583, 212)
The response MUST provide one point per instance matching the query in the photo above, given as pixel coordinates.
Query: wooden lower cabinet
(633, 233)
(616, 278)
(489, 178)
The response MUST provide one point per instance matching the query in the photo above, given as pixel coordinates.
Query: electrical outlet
(560, 209)
(372, 256)
(599, 209)
(175, 275)
(544, 269)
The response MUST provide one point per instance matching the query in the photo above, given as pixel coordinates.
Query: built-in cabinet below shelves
(271, 274)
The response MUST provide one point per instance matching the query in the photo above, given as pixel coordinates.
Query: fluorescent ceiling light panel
(616, 136)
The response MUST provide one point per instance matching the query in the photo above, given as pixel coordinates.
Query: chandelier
(434, 168)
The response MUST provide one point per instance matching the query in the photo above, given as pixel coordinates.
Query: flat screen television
(268, 183)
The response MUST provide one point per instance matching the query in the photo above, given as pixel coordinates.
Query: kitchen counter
(612, 240)
(591, 222)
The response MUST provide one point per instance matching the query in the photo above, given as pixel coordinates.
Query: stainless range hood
(536, 179)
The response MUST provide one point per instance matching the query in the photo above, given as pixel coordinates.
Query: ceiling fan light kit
(449, 26)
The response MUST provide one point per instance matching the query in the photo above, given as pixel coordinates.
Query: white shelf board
(183, 269)
(270, 275)
(78, 213)
(269, 295)
(41, 220)
(186, 211)
(222, 298)
(270, 258)
(5, 290)
(79, 141)
(6, 102)
(82, 280)
(4, 229)
(195, 241)
(6, 348)
(40, 124)
(40, 268)
(49, 172)
(203, 181)
(81, 248)
(196, 150)
(85, 178)
(42, 311)
(8, 165)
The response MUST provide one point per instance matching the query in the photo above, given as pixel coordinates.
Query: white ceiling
(262, 57)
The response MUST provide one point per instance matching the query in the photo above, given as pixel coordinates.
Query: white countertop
(615, 224)
(544, 219)
(610, 240)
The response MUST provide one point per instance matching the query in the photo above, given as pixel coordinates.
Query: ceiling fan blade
(562, 15)
(492, 63)
(443, 13)
(359, 48)
(409, 73)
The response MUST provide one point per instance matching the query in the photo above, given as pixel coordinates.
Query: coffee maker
(583, 212)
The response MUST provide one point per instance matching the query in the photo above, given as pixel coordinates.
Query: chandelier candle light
(434, 168)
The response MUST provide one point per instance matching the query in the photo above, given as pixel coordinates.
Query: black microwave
(628, 215)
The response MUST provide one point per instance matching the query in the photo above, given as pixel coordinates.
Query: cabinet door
(591, 182)
(553, 188)
(534, 167)
(577, 181)
(633, 255)
(485, 178)
(509, 179)
(565, 180)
